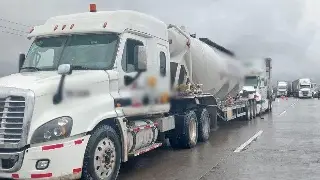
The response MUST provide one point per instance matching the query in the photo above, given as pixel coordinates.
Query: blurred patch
(77, 93)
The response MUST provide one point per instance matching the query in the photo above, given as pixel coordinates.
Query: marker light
(72, 25)
(55, 28)
(93, 8)
(64, 26)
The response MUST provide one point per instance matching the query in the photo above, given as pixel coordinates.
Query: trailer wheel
(103, 155)
(185, 135)
(204, 125)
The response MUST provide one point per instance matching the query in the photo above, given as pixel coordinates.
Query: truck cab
(80, 75)
(255, 88)
(282, 89)
(305, 88)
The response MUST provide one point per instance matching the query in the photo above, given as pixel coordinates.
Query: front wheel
(103, 155)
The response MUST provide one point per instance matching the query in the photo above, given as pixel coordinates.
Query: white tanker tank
(220, 74)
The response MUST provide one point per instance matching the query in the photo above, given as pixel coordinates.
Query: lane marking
(240, 148)
(285, 111)
(282, 113)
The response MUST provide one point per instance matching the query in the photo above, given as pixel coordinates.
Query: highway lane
(288, 148)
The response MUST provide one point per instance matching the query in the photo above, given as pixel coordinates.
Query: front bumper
(65, 160)
(305, 95)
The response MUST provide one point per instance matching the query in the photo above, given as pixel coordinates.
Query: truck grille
(12, 110)
(305, 93)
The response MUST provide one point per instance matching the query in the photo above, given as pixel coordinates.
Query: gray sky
(286, 30)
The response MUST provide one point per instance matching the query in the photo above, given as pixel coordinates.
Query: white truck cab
(107, 50)
(256, 84)
(282, 88)
(305, 88)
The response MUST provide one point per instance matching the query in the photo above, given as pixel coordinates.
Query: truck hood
(305, 89)
(248, 88)
(282, 90)
(46, 82)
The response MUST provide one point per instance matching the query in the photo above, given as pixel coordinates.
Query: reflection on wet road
(288, 148)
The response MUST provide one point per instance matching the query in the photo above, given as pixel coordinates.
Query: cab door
(161, 91)
(130, 97)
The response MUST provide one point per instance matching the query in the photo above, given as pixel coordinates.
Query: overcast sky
(285, 30)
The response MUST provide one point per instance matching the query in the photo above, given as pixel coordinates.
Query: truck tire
(248, 111)
(204, 125)
(103, 155)
(185, 135)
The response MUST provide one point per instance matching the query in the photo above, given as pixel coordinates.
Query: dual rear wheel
(190, 128)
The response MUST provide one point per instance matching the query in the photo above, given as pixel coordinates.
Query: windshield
(251, 81)
(304, 86)
(89, 51)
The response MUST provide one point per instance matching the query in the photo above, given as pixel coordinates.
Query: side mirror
(22, 58)
(141, 55)
(64, 69)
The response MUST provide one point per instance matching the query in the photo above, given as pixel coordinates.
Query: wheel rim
(104, 158)
(193, 130)
(206, 125)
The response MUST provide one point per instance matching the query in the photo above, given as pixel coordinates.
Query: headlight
(55, 129)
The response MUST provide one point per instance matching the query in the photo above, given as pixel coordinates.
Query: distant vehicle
(282, 88)
(302, 88)
(290, 93)
(313, 89)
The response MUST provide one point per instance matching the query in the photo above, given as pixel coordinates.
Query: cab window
(129, 60)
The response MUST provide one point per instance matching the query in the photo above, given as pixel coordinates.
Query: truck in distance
(302, 88)
(282, 88)
(97, 88)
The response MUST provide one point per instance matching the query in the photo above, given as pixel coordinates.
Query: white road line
(239, 149)
(282, 113)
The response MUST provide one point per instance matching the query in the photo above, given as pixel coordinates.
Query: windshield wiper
(32, 68)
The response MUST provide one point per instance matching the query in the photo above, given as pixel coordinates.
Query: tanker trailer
(214, 70)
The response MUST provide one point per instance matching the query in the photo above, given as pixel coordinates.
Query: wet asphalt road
(288, 148)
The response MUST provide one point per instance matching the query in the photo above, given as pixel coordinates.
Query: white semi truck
(302, 88)
(96, 88)
(282, 88)
(258, 85)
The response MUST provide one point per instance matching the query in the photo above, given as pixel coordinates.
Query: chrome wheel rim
(104, 158)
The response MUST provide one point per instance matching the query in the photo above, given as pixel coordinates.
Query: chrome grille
(12, 110)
